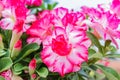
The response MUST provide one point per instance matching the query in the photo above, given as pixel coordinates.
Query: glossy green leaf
(2, 52)
(43, 72)
(51, 6)
(54, 4)
(5, 63)
(96, 55)
(99, 76)
(91, 51)
(110, 73)
(95, 41)
(43, 6)
(19, 67)
(37, 57)
(1, 78)
(113, 55)
(6, 37)
(17, 72)
(27, 50)
(112, 48)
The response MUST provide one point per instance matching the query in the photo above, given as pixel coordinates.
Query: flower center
(60, 46)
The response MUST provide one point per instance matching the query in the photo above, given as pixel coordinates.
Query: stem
(37, 78)
(31, 78)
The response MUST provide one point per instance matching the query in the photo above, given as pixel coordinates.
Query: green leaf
(37, 57)
(99, 76)
(95, 41)
(5, 63)
(113, 55)
(54, 4)
(1, 78)
(110, 73)
(19, 67)
(6, 37)
(27, 50)
(50, 6)
(17, 72)
(91, 51)
(76, 76)
(42, 72)
(43, 6)
(96, 55)
(112, 48)
(2, 52)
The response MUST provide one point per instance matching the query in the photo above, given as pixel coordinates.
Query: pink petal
(78, 54)
(62, 65)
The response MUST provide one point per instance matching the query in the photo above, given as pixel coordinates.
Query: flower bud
(32, 66)
(16, 49)
(33, 76)
(1, 43)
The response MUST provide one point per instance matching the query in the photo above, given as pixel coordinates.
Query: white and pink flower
(115, 7)
(41, 29)
(15, 12)
(65, 43)
(104, 23)
(65, 50)
(67, 47)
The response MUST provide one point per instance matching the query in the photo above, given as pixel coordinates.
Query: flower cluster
(57, 40)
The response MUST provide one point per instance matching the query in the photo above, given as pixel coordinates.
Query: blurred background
(76, 4)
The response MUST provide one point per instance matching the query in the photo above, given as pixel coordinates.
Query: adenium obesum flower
(66, 51)
(34, 2)
(40, 29)
(6, 74)
(64, 39)
(67, 47)
(103, 23)
(115, 7)
(15, 17)
(15, 12)
(1, 8)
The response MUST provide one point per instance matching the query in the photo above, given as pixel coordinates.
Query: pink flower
(6, 74)
(65, 43)
(14, 13)
(14, 2)
(12, 16)
(1, 8)
(115, 7)
(64, 17)
(34, 2)
(40, 29)
(104, 23)
(65, 51)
